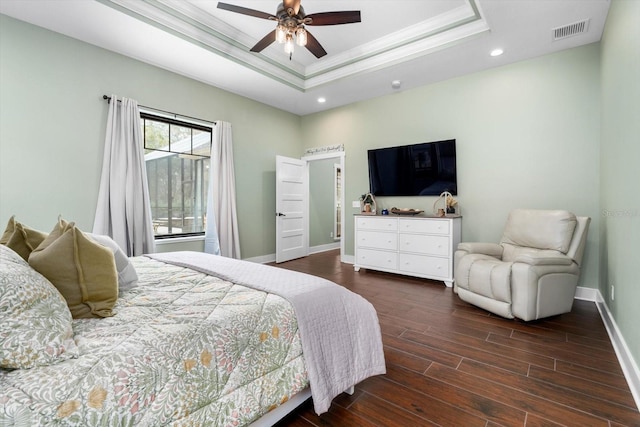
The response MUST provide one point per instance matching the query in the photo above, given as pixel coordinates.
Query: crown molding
(195, 25)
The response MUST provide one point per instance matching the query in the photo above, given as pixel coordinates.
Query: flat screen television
(424, 169)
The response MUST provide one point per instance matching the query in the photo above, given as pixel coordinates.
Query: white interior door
(292, 216)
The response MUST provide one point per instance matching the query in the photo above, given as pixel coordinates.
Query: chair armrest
(491, 249)
(543, 257)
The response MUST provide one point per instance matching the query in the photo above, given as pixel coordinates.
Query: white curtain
(221, 236)
(124, 211)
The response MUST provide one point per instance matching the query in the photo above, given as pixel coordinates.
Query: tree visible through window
(177, 160)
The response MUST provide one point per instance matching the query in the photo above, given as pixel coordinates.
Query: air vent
(570, 30)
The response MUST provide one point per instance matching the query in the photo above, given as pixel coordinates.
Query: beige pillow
(82, 270)
(20, 238)
(127, 276)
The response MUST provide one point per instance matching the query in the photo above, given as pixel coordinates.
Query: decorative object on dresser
(532, 273)
(405, 211)
(445, 205)
(368, 204)
(415, 246)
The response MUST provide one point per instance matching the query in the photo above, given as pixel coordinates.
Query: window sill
(160, 242)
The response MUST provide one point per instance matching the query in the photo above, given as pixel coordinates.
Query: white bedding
(339, 329)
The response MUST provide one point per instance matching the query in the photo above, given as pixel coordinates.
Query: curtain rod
(175, 116)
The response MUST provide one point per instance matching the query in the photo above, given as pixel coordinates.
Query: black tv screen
(425, 169)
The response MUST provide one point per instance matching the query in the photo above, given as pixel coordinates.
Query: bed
(196, 340)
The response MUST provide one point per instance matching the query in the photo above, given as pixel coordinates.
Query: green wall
(527, 136)
(52, 127)
(620, 154)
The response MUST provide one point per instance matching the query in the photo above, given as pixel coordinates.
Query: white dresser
(415, 246)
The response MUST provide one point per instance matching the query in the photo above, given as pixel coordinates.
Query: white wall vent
(570, 30)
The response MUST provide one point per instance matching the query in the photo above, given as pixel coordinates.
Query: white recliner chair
(532, 273)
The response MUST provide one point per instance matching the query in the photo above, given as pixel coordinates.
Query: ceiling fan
(291, 20)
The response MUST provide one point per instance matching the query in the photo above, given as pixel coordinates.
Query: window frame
(182, 123)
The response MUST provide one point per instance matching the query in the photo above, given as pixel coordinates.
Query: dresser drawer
(429, 226)
(421, 244)
(424, 265)
(377, 259)
(377, 240)
(376, 223)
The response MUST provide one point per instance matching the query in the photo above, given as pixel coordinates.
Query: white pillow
(127, 276)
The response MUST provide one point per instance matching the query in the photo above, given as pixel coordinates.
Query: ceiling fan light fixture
(301, 36)
(288, 44)
(291, 20)
(281, 34)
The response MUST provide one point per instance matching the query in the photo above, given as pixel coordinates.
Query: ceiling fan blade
(334, 18)
(293, 4)
(246, 11)
(314, 46)
(266, 41)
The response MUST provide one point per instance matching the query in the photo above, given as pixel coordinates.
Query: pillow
(35, 322)
(22, 239)
(127, 276)
(82, 270)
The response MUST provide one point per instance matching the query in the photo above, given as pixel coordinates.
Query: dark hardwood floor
(452, 364)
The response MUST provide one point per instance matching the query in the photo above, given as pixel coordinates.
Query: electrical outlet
(613, 289)
(331, 234)
(355, 204)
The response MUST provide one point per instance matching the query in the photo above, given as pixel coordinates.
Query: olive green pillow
(82, 270)
(22, 239)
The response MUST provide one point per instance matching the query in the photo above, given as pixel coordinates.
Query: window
(177, 160)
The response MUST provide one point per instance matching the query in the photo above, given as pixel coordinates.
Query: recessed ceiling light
(322, 100)
(497, 52)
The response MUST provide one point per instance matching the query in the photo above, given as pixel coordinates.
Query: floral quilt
(184, 348)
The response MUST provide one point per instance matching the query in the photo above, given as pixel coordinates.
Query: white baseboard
(264, 259)
(324, 248)
(627, 362)
(587, 294)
